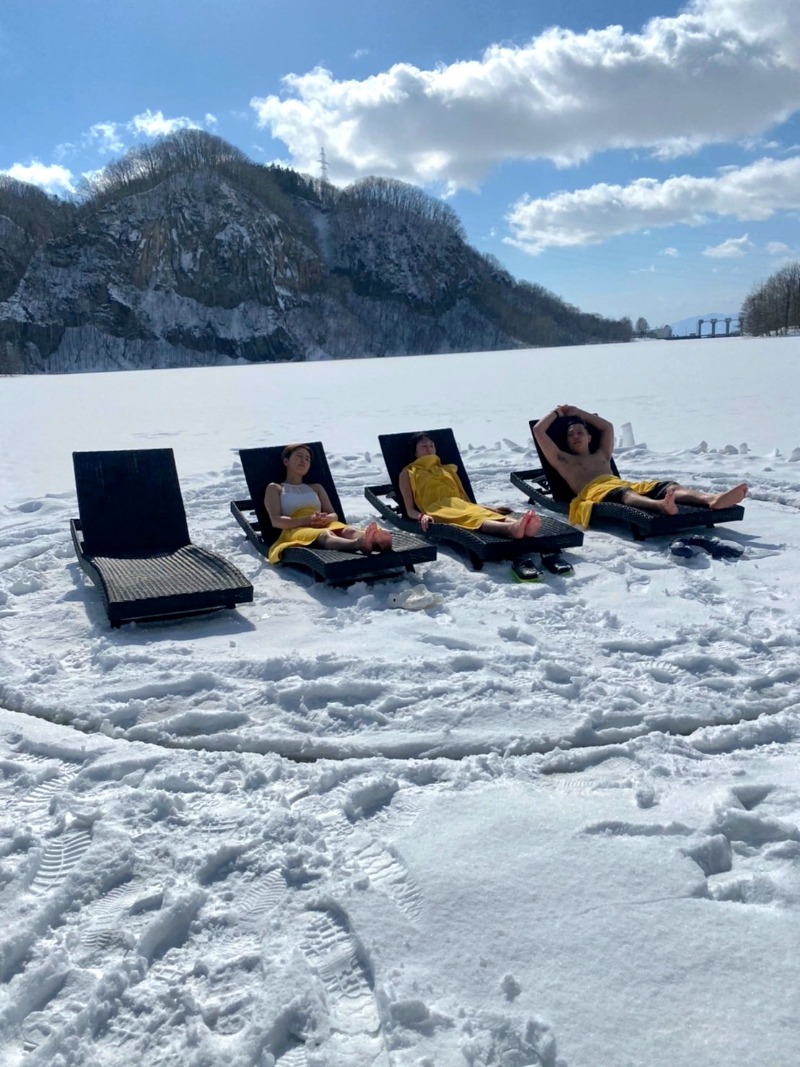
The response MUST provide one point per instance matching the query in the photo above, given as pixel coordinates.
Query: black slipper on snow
(523, 570)
(556, 564)
(679, 547)
(716, 548)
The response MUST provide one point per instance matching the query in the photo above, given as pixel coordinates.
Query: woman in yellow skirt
(432, 492)
(303, 513)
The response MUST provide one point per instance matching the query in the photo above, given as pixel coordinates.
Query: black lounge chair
(133, 542)
(545, 486)
(264, 465)
(553, 536)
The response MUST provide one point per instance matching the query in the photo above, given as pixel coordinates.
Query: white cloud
(756, 21)
(673, 252)
(92, 175)
(114, 138)
(733, 248)
(51, 177)
(763, 144)
(777, 248)
(592, 215)
(153, 124)
(720, 71)
(108, 136)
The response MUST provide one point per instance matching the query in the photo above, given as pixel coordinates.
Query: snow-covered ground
(541, 824)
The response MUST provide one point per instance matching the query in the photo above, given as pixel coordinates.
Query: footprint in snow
(261, 896)
(388, 874)
(110, 920)
(665, 671)
(59, 858)
(334, 955)
(293, 1057)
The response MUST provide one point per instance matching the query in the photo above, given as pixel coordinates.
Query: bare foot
(729, 498)
(534, 524)
(520, 527)
(368, 540)
(668, 503)
(383, 540)
(357, 542)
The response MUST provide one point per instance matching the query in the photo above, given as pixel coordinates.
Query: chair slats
(132, 540)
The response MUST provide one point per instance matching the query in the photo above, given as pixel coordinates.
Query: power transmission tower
(323, 164)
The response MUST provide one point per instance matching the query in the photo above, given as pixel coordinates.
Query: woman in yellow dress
(303, 513)
(432, 492)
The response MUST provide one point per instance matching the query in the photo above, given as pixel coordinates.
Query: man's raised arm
(606, 428)
(547, 445)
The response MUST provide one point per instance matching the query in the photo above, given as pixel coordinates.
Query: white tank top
(298, 496)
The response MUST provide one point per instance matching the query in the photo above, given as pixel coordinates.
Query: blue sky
(635, 157)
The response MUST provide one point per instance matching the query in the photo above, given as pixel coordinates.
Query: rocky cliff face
(208, 265)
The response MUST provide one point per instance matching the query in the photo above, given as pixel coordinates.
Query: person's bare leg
(350, 539)
(711, 500)
(352, 542)
(525, 526)
(667, 505)
(496, 527)
(729, 497)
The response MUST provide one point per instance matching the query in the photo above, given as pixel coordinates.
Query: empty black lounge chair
(133, 542)
(264, 465)
(545, 486)
(479, 547)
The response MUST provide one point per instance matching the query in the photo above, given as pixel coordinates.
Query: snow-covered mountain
(187, 255)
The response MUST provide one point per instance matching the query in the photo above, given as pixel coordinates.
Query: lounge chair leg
(637, 533)
(477, 563)
(410, 568)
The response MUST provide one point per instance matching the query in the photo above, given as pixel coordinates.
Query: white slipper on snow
(415, 600)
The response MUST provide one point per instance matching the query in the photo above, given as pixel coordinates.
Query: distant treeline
(773, 306)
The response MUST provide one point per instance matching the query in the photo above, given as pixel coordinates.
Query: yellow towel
(438, 491)
(300, 535)
(580, 508)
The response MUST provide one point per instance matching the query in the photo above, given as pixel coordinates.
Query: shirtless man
(589, 474)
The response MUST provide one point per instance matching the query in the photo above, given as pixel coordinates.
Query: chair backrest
(130, 502)
(557, 431)
(398, 452)
(264, 465)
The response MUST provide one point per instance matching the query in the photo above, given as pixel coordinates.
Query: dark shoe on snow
(680, 547)
(556, 564)
(523, 570)
(716, 548)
